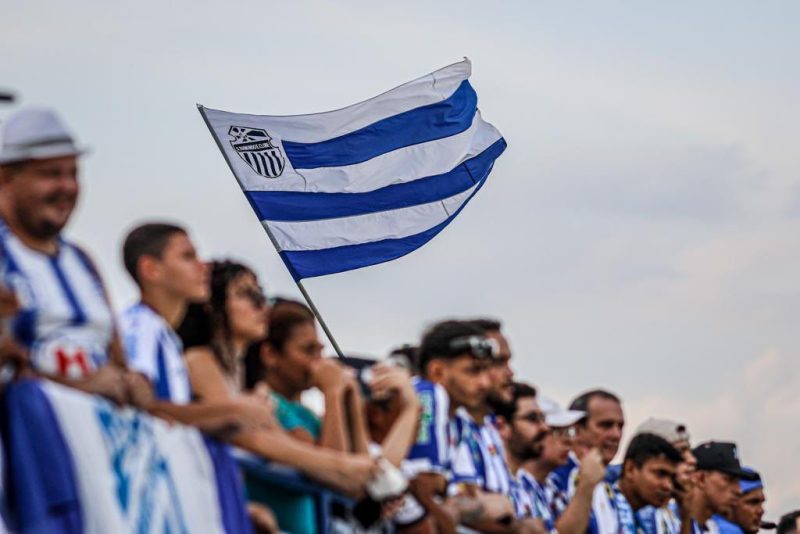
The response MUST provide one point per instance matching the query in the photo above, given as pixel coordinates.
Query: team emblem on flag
(255, 147)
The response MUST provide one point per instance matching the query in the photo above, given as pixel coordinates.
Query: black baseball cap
(721, 456)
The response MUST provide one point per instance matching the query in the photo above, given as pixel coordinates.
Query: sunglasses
(568, 432)
(254, 295)
(479, 346)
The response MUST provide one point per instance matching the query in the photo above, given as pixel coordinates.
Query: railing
(265, 478)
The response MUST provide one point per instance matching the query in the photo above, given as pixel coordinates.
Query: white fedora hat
(35, 133)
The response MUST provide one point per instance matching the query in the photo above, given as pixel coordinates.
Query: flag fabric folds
(367, 183)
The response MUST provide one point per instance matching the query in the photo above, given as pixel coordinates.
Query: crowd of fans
(437, 437)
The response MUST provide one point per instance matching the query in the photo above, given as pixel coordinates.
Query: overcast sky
(640, 232)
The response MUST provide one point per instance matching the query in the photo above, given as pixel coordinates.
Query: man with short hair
(789, 523)
(453, 360)
(522, 426)
(550, 502)
(600, 433)
(63, 319)
(748, 510)
(668, 519)
(647, 477)
(163, 262)
(716, 484)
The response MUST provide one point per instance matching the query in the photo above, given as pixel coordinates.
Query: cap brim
(741, 474)
(564, 418)
(47, 152)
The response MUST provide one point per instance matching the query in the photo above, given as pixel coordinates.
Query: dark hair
(146, 240)
(581, 402)
(208, 324)
(788, 522)
(486, 324)
(646, 446)
(507, 410)
(436, 341)
(285, 315)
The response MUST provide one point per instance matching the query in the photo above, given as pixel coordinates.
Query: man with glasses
(538, 477)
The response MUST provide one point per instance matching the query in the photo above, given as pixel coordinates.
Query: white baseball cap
(557, 417)
(35, 133)
(668, 429)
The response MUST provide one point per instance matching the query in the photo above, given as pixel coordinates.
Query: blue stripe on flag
(42, 474)
(311, 263)
(295, 206)
(420, 125)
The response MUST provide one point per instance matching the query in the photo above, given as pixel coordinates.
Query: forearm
(402, 434)
(334, 426)
(575, 518)
(208, 417)
(357, 424)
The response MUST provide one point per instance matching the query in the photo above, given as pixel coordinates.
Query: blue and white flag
(367, 183)
(78, 464)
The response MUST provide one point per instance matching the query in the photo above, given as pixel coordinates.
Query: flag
(79, 464)
(363, 184)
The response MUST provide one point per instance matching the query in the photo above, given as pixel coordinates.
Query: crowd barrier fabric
(77, 464)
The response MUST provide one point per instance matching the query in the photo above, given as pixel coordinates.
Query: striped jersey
(542, 506)
(65, 320)
(479, 456)
(155, 350)
(664, 520)
(431, 452)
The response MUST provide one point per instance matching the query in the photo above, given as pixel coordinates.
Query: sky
(640, 232)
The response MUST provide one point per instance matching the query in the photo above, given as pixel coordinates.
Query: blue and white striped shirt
(65, 320)
(155, 350)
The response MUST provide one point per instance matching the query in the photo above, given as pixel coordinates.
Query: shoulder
(201, 357)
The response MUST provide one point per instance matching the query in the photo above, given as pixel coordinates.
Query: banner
(77, 463)
(364, 184)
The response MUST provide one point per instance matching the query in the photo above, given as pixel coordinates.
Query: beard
(39, 227)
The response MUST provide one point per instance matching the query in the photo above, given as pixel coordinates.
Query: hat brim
(741, 474)
(45, 152)
(564, 418)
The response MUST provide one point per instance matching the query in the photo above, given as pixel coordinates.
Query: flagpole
(299, 283)
(319, 318)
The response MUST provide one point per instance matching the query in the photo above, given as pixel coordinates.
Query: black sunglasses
(532, 417)
(479, 346)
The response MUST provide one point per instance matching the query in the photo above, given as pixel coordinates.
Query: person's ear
(148, 268)
(628, 467)
(436, 370)
(267, 356)
(503, 428)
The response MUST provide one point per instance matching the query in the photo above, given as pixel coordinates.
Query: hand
(109, 382)
(592, 470)
(388, 379)
(9, 304)
(12, 352)
(253, 411)
(355, 470)
(329, 375)
(139, 391)
(262, 518)
(530, 525)
(496, 506)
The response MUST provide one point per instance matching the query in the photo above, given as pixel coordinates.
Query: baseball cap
(721, 456)
(35, 133)
(668, 429)
(749, 485)
(557, 417)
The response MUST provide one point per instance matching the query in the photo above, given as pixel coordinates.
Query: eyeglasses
(532, 417)
(479, 346)
(255, 296)
(568, 432)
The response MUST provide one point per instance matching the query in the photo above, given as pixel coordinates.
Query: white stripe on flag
(405, 164)
(392, 224)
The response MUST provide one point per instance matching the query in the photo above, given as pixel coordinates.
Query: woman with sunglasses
(216, 336)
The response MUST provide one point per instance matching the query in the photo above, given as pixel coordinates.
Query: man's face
(556, 447)
(683, 475)
(466, 380)
(603, 428)
(528, 430)
(180, 272)
(721, 491)
(500, 374)
(750, 510)
(652, 482)
(42, 194)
